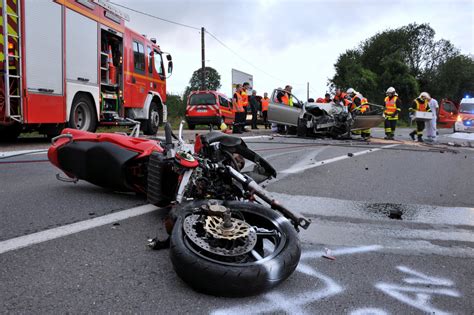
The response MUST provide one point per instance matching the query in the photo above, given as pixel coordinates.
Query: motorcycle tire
(246, 274)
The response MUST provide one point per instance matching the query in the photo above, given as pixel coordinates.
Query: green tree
(453, 79)
(212, 81)
(409, 59)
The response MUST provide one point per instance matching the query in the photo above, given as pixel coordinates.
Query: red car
(447, 114)
(208, 108)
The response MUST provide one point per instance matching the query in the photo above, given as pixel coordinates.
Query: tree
(212, 81)
(409, 59)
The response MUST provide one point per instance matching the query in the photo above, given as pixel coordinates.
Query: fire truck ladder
(12, 75)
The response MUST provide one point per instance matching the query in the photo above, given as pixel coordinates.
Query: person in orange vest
(419, 104)
(284, 96)
(245, 102)
(359, 106)
(392, 108)
(237, 104)
(327, 98)
(339, 96)
(265, 101)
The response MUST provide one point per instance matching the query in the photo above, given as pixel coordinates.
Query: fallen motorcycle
(228, 236)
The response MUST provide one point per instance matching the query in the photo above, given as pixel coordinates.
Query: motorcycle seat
(222, 138)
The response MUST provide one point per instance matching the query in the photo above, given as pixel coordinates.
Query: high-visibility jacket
(245, 99)
(265, 102)
(363, 104)
(391, 108)
(421, 106)
(238, 104)
(287, 100)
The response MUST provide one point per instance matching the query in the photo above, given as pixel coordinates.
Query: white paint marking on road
(419, 297)
(7, 154)
(298, 169)
(254, 137)
(369, 311)
(47, 235)
(342, 251)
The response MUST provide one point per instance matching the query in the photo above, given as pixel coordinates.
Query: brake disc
(210, 236)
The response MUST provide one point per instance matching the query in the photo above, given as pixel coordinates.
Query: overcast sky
(286, 42)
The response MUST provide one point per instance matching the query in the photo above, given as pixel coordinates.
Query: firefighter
(265, 101)
(284, 96)
(245, 102)
(419, 104)
(327, 98)
(239, 110)
(359, 106)
(392, 108)
(341, 98)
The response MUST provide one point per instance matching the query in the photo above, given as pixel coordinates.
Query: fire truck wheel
(83, 116)
(150, 126)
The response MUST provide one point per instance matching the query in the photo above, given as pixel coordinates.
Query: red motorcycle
(228, 236)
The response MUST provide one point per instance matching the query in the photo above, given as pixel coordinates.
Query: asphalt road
(421, 263)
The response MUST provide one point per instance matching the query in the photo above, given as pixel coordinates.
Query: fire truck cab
(74, 63)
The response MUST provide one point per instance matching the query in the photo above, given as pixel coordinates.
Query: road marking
(254, 137)
(47, 235)
(298, 169)
(7, 154)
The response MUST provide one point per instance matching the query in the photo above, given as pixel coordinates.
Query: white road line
(47, 235)
(254, 137)
(7, 154)
(299, 169)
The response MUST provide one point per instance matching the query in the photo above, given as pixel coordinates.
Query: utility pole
(307, 91)
(203, 61)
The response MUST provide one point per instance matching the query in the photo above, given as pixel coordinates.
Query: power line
(155, 17)
(212, 35)
(243, 59)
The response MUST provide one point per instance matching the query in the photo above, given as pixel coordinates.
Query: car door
(447, 114)
(226, 109)
(284, 114)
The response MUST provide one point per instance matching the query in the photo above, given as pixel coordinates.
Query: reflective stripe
(421, 106)
(390, 105)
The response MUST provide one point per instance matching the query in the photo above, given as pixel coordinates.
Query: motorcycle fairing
(100, 163)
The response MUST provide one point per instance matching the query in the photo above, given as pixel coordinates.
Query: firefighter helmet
(350, 91)
(424, 95)
(391, 90)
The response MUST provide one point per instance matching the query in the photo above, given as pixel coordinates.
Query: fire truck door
(139, 80)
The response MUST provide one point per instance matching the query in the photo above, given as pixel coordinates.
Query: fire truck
(74, 63)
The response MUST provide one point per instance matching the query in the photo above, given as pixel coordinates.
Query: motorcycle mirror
(180, 133)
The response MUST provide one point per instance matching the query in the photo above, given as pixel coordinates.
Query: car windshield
(202, 99)
(467, 108)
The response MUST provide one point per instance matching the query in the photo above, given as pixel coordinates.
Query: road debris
(350, 154)
(327, 254)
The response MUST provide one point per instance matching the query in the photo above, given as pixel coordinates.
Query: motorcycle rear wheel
(273, 259)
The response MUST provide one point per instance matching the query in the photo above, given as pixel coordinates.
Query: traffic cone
(112, 69)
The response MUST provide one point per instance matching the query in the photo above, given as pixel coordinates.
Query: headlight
(459, 119)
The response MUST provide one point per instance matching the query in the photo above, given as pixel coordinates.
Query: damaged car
(325, 119)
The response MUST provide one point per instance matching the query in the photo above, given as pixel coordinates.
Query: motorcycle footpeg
(156, 244)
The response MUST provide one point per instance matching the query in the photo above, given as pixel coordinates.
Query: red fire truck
(74, 63)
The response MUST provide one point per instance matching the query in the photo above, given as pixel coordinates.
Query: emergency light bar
(106, 5)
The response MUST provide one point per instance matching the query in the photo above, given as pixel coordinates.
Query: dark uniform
(421, 105)
(392, 109)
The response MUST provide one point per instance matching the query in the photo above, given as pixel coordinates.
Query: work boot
(391, 137)
(387, 136)
(412, 135)
(420, 139)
